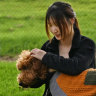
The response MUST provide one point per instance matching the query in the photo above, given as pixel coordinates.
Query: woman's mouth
(57, 35)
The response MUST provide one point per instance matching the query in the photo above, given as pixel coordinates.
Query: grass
(9, 85)
(22, 23)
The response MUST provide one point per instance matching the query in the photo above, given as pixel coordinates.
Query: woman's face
(54, 30)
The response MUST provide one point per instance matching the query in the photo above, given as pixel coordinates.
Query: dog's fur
(31, 69)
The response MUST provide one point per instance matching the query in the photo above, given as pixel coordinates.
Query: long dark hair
(60, 13)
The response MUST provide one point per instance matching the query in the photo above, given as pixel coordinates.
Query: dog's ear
(43, 72)
(36, 64)
(39, 68)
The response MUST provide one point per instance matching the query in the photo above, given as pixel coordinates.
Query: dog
(31, 69)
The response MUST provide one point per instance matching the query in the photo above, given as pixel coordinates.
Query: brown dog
(31, 69)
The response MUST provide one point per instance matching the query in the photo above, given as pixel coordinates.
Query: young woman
(68, 51)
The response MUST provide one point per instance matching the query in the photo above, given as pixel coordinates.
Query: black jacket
(81, 57)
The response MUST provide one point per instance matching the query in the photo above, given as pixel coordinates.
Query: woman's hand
(38, 53)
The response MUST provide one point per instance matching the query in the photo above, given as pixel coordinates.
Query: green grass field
(22, 27)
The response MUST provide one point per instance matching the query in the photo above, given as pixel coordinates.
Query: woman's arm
(75, 65)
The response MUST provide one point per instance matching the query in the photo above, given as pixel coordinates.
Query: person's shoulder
(86, 41)
(45, 45)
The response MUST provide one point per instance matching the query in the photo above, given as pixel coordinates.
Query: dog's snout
(23, 85)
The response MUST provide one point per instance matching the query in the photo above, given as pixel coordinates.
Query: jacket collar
(75, 41)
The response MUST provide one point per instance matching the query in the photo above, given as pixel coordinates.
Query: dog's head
(31, 69)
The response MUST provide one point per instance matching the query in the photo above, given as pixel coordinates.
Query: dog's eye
(24, 67)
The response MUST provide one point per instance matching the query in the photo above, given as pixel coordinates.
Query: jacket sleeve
(75, 65)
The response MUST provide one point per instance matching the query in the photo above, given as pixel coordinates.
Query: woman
(68, 51)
